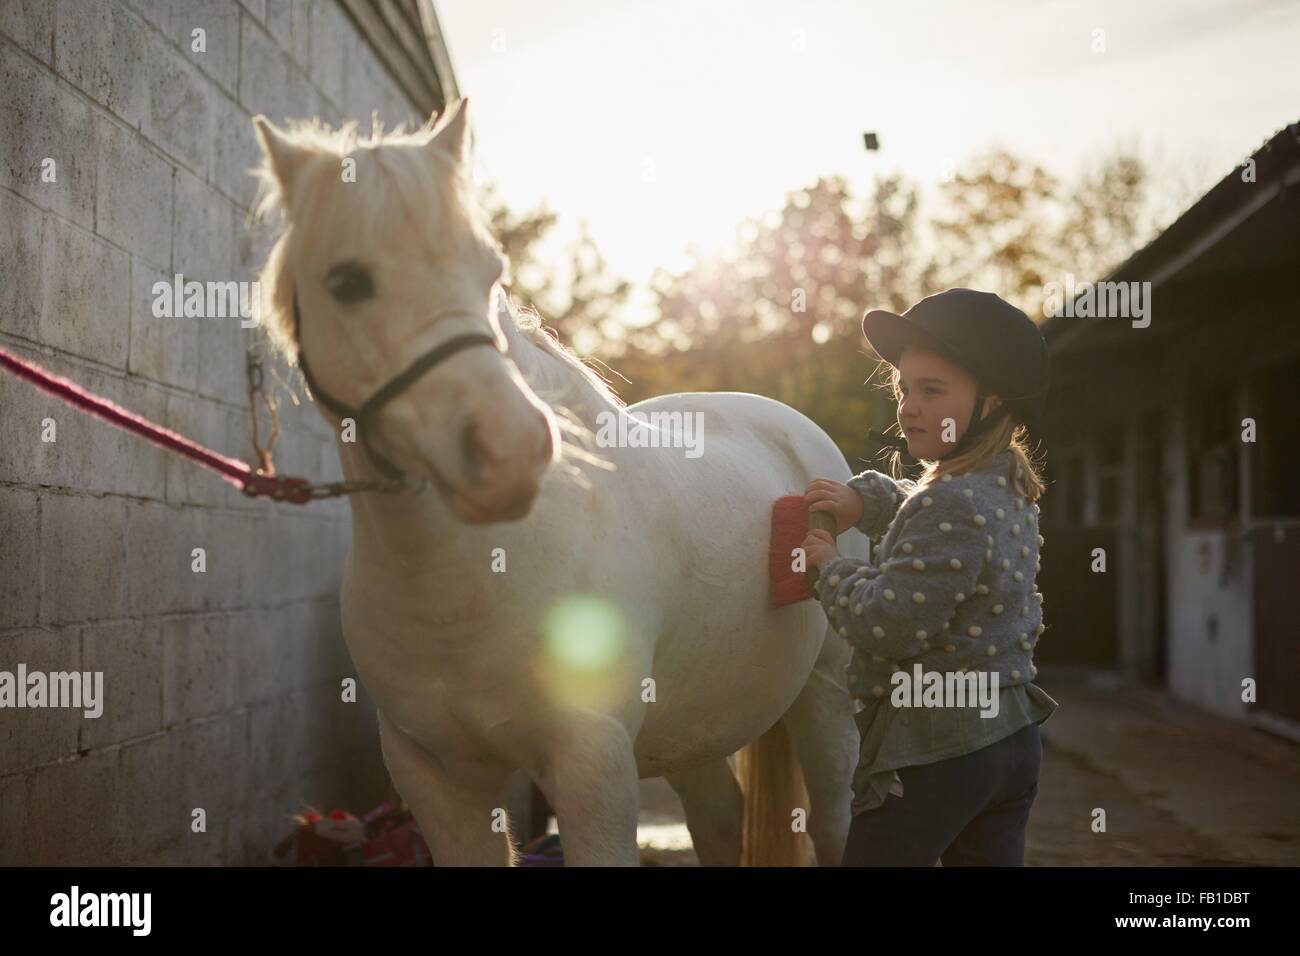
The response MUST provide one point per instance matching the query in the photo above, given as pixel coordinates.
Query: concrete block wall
(222, 689)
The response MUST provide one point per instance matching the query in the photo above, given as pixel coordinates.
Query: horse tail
(773, 788)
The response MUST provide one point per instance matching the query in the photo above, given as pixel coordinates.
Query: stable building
(1173, 444)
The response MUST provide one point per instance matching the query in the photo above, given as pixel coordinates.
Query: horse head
(384, 259)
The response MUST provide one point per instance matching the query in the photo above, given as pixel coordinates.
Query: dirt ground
(1180, 787)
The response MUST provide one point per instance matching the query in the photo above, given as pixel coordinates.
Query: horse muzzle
(501, 470)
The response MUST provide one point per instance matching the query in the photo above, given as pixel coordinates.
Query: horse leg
(825, 739)
(457, 815)
(714, 807)
(591, 781)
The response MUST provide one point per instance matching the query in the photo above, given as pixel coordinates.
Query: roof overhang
(406, 36)
(1236, 229)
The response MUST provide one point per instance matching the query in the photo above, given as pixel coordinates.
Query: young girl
(945, 776)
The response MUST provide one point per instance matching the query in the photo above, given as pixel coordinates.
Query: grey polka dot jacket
(952, 581)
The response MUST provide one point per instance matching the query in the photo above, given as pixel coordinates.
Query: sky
(666, 123)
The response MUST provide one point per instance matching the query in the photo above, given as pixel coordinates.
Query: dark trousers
(966, 811)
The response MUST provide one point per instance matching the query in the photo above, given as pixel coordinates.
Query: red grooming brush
(790, 522)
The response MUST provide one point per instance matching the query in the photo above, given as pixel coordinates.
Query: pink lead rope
(296, 491)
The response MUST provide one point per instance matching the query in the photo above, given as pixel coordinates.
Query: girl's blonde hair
(1023, 475)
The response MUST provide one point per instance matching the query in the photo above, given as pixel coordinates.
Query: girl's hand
(840, 500)
(819, 546)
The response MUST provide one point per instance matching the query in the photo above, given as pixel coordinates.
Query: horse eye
(350, 282)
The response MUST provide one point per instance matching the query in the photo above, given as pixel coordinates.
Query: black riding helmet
(997, 343)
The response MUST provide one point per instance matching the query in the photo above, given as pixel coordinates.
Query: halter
(386, 393)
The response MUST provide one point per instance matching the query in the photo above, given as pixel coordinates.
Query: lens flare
(584, 649)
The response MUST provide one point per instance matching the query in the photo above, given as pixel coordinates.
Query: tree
(581, 301)
(998, 229)
(780, 314)
(1011, 227)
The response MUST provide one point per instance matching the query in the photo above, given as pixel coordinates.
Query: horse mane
(529, 322)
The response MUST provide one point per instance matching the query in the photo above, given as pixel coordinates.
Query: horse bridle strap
(386, 393)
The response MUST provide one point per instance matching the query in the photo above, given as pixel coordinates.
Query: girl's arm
(934, 566)
(881, 498)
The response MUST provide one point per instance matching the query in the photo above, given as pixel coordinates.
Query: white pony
(587, 626)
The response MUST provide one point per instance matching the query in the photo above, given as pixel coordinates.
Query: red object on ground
(386, 836)
(401, 846)
(789, 528)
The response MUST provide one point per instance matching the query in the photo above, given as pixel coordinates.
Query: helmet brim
(889, 334)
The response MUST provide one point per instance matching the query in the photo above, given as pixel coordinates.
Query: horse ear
(287, 159)
(453, 136)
